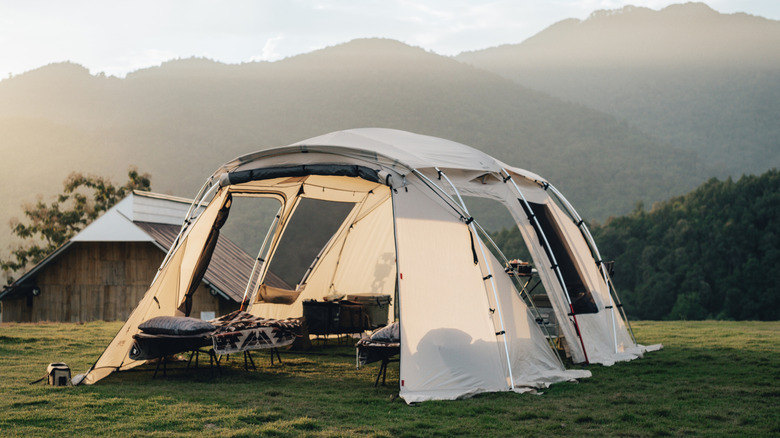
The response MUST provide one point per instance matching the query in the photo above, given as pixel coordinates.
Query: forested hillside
(701, 80)
(711, 253)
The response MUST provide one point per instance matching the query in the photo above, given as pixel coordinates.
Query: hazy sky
(117, 37)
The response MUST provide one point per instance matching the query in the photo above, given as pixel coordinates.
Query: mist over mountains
(687, 75)
(181, 120)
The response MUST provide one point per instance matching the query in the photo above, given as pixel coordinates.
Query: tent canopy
(404, 231)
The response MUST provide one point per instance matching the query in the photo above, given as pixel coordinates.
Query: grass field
(711, 379)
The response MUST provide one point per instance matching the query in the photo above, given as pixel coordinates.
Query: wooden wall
(99, 281)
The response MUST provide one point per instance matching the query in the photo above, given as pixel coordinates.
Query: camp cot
(467, 326)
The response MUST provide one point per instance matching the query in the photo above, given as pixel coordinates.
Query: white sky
(117, 37)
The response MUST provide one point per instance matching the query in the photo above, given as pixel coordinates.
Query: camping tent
(405, 231)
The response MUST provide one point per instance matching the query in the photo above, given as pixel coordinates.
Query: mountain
(181, 120)
(688, 75)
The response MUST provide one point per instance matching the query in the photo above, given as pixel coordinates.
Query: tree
(48, 226)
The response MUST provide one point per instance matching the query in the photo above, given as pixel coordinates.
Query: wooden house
(103, 272)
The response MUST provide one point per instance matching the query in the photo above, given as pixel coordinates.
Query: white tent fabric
(465, 329)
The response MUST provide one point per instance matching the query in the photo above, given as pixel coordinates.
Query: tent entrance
(312, 225)
(334, 238)
(580, 297)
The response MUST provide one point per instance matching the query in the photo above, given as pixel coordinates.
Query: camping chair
(383, 344)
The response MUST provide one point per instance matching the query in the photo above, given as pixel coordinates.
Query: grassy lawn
(711, 379)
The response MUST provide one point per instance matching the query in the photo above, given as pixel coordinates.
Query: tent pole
(523, 291)
(594, 253)
(259, 259)
(490, 277)
(187, 222)
(595, 250)
(453, 204)
(555, 267)
(397, 292)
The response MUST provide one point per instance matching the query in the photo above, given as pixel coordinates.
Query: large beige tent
(404, 230)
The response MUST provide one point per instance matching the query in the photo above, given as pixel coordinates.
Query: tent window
(491, 214)
(250, 217)
(312, 225)
(580, 296)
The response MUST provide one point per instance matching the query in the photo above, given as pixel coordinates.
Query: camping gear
(352, 317)
(382, 344)
(519, 268)
(163, 336)
(237, 331)
(546, 314)
(322, 316)
(377, 306)
(58, 374)
(336, 317)
(465, 327)
(175, 325)
(241, 331)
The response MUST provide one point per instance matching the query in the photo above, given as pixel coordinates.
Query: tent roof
(389, 146)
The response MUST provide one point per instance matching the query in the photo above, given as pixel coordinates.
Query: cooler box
(375, 305)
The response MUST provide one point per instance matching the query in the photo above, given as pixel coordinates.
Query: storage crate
(376, 306)
(321, 316)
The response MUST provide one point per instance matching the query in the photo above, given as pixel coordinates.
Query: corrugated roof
(230, 266)
(228, 271)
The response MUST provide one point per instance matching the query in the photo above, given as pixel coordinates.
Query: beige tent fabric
(448, 345)
(163, 297)
(533, 361)
(544, 268)
(605, 343)
(360, 258)
(597, 331)
(464, 328)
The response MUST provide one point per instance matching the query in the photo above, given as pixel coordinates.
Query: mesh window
(311, 227)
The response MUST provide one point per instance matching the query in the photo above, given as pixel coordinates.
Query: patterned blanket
(240, 331)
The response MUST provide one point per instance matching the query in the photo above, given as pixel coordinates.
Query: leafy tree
(48, 226)
(707, 254)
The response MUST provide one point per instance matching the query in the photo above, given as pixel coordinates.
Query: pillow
(388, 333)
(175, 325)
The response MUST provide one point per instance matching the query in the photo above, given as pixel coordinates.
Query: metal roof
(230, 266)
(155, 218)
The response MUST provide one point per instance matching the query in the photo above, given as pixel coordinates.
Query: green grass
(711, 379)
